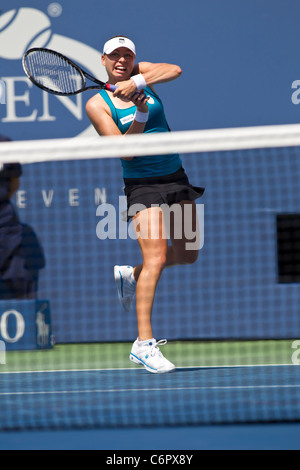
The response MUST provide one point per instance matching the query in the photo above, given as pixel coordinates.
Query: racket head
(53, 72)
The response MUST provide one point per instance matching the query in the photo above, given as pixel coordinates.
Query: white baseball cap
(119, 41)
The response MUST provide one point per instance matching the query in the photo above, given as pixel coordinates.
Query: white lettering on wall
(14, 97)
(23, 198)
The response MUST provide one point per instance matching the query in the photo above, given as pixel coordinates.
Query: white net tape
(150, 144)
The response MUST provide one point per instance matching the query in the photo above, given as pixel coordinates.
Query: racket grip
(110, 87)
(114, 87)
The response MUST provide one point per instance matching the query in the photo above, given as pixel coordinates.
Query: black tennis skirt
(158, 190)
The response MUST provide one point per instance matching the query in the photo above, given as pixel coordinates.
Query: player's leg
(148, 225)
(153, 243)
(184, 235)
(152, 239)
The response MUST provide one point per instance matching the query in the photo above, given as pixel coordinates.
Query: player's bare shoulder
(97, 105)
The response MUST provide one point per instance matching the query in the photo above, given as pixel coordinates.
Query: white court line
(136, 368)
(121, 390)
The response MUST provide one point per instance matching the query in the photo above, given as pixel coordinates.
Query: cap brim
(116, 43)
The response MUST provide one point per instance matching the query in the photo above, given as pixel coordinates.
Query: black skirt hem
(156, 191)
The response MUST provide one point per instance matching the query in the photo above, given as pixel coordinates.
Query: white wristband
(139, 81)
(141, 117)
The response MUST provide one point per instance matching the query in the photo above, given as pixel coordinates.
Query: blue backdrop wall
(232, 291)
(239, 64)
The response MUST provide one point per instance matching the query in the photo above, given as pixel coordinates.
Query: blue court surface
(226, 437)
(132, 409)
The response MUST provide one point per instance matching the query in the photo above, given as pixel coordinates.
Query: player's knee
(160, 261)
(157, 262)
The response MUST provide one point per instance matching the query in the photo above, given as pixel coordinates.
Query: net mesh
(231, 318)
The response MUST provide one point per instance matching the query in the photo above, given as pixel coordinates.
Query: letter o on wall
(19, 322)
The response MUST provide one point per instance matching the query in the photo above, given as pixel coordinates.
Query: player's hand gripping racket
(55, 73)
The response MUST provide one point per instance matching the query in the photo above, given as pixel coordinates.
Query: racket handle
(110, 87)
(114, 87)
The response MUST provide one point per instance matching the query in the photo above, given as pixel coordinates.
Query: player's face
(119, 63)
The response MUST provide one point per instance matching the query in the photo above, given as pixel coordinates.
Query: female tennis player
(151, 182)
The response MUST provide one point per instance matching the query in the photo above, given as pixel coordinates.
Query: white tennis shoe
(147, 354)
(126, 287)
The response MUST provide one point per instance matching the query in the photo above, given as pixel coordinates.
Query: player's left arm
(153, 73)
(157, 73)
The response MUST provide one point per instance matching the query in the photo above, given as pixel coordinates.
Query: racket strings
(54, 72)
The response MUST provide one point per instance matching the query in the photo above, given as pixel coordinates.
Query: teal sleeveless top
(148, 166)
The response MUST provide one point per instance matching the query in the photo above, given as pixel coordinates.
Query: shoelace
(155, 350)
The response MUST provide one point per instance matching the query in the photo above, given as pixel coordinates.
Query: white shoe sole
(138, 361)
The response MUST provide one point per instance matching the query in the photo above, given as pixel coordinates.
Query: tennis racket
(57, 74)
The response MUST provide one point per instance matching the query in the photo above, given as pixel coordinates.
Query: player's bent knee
(156, 263)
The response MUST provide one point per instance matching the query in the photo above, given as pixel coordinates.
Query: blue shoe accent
(126, 290)
(142, 362)
(121, 283)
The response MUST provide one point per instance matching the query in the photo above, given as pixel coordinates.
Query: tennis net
(231, 319)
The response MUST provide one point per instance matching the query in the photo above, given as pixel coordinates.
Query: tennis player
(135, 108)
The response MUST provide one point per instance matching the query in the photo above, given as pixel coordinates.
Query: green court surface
(183, 353)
